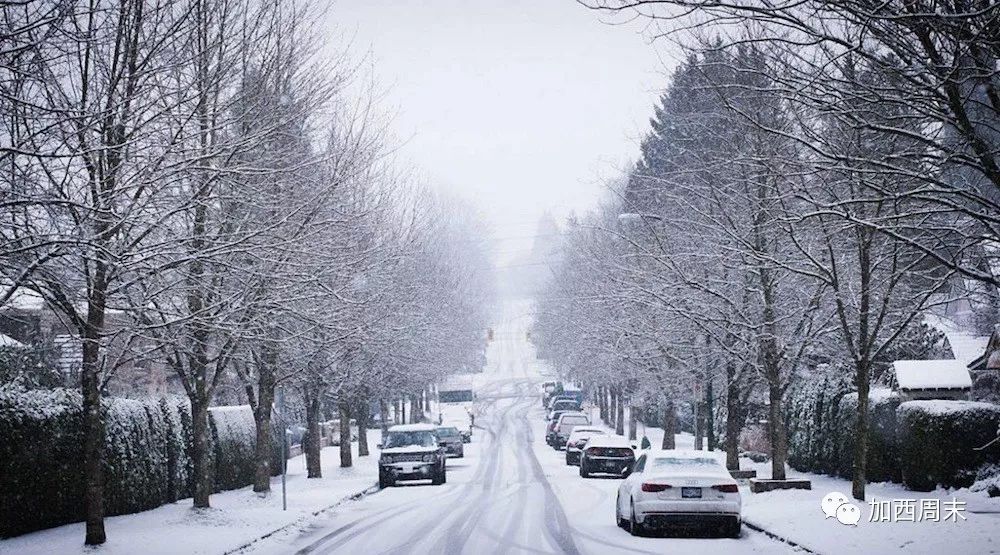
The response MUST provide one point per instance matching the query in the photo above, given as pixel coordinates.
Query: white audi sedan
(677, 488)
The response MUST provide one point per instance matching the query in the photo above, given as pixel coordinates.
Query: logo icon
(835, 505)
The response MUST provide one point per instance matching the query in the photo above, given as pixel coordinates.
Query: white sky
(520, 106)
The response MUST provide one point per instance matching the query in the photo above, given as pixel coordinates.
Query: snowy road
(510, 494)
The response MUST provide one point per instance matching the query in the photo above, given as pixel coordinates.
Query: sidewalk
(236, 518)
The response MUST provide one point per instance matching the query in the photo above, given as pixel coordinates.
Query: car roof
(608, 440)
(413, 428)
(566, 413)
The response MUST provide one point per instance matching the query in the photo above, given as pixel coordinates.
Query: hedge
(937, 441)
(821, 419)
(147, 459)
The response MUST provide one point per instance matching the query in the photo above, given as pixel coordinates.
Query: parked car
(451, 439)
(411, 452)
(549, 389)
(556, 398)
(564, 426)
(573, 392)
(606, 454)
(679, 488)
(577, 439)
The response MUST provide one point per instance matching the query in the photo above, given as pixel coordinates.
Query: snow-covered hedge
(821, 417)
(938, 439)
(147, 457)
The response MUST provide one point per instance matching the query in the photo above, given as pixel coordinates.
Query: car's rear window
(669, 462)
(574, 420)
(609, 452)
(447, 432)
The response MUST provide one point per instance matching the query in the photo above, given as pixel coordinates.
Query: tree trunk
(669, 425)
(602, 404)
(710, 439)
(633, 416)
(383, 408)
(200, 453)
(93, 426)
(619, 414)
(734, 420)
(314, 436)
(362, 417)
(862, 378)
(776, 428)
(860, 465)
(262, 420)
(401, 411)
(345, 434)
(699, 424)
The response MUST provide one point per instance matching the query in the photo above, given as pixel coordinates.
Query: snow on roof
(7, 341)
(413, 428)
(965, 347)
(931, 374)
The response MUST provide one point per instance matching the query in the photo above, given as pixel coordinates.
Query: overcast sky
(520, 106)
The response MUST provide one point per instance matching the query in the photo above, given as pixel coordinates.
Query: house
(931, 379)
(985, 371)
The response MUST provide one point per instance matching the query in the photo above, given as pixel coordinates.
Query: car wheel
(385, 480)
(734, 528)
(568, 463)
(619, 521)
(635, 527)
(583, 469)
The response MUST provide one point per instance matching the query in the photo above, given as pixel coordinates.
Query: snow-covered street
(511, 493)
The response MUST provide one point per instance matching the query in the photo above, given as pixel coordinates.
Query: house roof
(7, 341)
(966, 347)
(931, 374)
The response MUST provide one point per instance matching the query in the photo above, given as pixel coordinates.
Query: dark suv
(411, 452)
(451, 439)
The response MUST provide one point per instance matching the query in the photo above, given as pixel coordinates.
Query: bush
(147, 459)
(937, 441)
(821, 420)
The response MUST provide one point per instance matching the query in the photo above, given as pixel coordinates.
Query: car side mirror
(378, 446)
(635, 446)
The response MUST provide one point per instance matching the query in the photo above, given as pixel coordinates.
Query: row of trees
(189, 186)
(818, 176)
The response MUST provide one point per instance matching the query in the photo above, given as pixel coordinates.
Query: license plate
(691, 493)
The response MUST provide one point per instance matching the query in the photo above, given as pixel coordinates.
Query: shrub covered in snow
(821, 418)
(147, 455)
(938, 439)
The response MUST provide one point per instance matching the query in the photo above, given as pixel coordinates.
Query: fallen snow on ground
(796, 514)
(236, 517)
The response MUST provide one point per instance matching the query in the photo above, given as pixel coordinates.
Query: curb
(372, 489)
(773, 536)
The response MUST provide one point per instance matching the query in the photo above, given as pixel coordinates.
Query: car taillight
(727, 488)
(653, 488)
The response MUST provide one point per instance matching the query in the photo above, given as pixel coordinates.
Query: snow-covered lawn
(236, 518)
